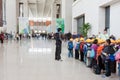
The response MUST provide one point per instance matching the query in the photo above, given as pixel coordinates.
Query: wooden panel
(1, 14)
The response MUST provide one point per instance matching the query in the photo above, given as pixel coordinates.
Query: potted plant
(85, 28)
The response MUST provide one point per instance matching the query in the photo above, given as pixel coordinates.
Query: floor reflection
(40, 50)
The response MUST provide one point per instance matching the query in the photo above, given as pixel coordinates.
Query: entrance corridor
(34, 60)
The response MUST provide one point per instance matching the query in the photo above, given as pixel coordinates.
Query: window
(80, 22)
(58, 9)
(21, 9)
(107, 17)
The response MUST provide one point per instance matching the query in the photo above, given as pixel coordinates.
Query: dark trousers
(76, 54)
(101, 63)
(81, 56)
(70, 54)
(113, 66)
(1, 40)
(58, 52)
(17, 38)
(93, 62)
(107, 67)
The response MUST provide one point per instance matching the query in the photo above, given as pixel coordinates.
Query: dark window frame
(107, 17)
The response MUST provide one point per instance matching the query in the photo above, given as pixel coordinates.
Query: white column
(53, 18)
(67, 14)
(11, 15)
(26, 10)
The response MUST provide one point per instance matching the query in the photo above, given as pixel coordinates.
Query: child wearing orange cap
(98, 56)
(81, 49)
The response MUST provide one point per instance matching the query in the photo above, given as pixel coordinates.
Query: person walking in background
(2, 37)
(58, 45)
(70, 48)
(17, 36)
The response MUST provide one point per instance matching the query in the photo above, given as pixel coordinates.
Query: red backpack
(81, 46)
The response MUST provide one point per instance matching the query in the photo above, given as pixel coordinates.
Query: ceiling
(41, 8)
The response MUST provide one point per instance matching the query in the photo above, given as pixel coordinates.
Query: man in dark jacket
(58, 45)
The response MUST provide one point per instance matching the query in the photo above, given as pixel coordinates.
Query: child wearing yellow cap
(77, 44)
(70, 48)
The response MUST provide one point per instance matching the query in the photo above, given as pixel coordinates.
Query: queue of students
(100, 55)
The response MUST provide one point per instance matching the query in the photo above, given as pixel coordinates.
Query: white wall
(115, 19)
(89, 9)
(94, 11)
(101, 22)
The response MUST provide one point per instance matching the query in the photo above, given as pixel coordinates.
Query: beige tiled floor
(34, 60)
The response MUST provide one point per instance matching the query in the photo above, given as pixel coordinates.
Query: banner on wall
(60, 24)
(23, 25)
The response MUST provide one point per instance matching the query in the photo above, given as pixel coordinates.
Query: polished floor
(34, 60)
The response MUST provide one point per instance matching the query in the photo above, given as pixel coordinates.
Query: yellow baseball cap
(71, 39)
(76, 39)
(113, 41)
(81, 39)
(88, 40)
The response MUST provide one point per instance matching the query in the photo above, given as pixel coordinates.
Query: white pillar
(67, 14)
(53, 18)
(26, 10)
(11, 16)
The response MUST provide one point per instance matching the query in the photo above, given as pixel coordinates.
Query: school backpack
(70, 45)
(77, 46)
(81, 46)
(112, 57)
(86, 48)
(92, 54)
(117, 55)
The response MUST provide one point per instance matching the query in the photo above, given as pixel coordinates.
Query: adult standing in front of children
(70, 48)
(58, 44)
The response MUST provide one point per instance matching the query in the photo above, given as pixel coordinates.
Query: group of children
(100, 55)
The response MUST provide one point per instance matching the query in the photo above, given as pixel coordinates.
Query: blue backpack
(92, 54)
(112, 57)
(85, 49)
(77, 46)
(70, 45)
